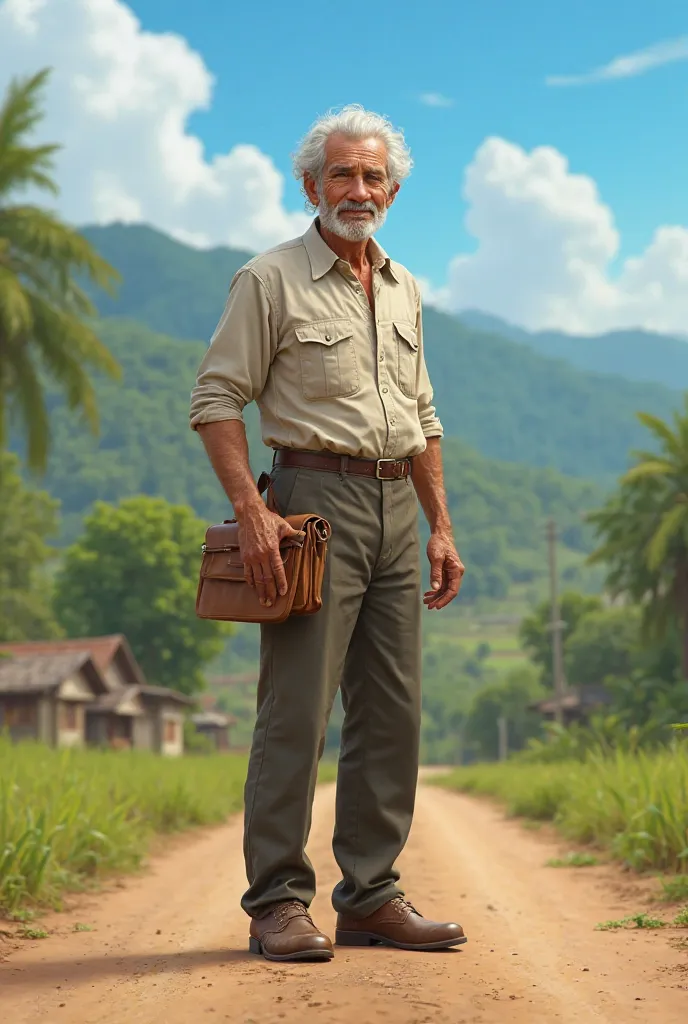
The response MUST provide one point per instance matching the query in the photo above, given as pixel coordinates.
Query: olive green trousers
(366, 640)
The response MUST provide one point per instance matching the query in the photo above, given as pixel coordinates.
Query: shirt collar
(322, 259)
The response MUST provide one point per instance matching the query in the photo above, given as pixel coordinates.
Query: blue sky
(549, 185)
(277, 66)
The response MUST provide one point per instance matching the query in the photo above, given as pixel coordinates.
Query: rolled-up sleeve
(429, 420)
(236, 365)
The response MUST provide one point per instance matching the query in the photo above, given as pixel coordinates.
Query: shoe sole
(256, 946)
(370, 939)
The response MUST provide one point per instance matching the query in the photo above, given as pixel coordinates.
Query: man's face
(355, 192)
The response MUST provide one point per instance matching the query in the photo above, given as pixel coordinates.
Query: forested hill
(145, 446)
(634, 354)
(499, 396)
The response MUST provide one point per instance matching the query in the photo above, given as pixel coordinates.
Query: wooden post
(503, 737)
(556, 625)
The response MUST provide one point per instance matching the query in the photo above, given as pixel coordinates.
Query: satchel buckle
(400, 463)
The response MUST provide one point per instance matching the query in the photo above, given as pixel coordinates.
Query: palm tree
(644, 531)
(44, 310)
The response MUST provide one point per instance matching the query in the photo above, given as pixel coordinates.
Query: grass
(639, 920)
(576, 859)
(70, 816)
(674, 890)
(635, 806)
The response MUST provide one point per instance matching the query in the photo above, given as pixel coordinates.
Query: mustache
(350, 204)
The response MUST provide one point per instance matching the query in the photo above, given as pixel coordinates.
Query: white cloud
(435, 99)
(545, 243)
(119, 100)
(629, 65)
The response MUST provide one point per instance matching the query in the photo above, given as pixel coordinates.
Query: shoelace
(403, 904)
(291, 908)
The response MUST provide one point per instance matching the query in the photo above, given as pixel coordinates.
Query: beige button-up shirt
(299, 337)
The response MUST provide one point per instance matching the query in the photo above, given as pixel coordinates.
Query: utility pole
(503, 737)
(556, 625)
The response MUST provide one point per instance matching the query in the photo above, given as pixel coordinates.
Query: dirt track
(170, 946)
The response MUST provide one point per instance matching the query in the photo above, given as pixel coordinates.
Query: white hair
(358, 123)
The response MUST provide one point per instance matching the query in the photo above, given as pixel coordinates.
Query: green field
(70, 817)
(632, 806)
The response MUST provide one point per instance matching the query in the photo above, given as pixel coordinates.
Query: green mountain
(502, 398)
(166, 285)
(145, 446)
(634, 354)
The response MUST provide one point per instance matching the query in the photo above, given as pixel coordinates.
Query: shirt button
(328, 337)
(384, 391)
(382, 358)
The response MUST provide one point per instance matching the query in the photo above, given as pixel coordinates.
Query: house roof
(103, 650)
(119, 702)
(40, 673)
(163, 693)
(213, 718)
(580, 697)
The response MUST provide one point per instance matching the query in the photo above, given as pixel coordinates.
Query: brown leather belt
(328, 462)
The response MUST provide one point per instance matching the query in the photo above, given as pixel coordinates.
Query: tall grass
(67, 816)
(634, 805)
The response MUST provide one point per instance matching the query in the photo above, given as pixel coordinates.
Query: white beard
(351, 231)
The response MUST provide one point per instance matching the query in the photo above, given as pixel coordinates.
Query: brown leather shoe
(397, 924)
(287, 932)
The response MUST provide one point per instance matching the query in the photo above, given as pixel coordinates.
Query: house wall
(172, 731)
(72, 696)
(114, 677)
(46, 720)
(19, 716)
(71, 723)
(145, 731)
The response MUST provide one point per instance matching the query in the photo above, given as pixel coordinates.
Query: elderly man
(324, 333)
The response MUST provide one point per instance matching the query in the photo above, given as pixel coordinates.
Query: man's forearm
(227, 448)
(428, 480)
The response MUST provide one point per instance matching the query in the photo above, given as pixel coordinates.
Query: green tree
(536, 636)
(27, 518)
(510, 697)
(135, 571)
(643, 530)
(604, 644)
(44, 332)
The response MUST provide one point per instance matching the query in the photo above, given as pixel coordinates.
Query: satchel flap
(225, 537)
(320, 526)
(226, 564)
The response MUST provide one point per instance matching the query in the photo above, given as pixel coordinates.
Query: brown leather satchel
(224, 594)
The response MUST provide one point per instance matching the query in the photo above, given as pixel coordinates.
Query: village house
(123, 711)
(578, 703)
(46, 696)
(215, 725)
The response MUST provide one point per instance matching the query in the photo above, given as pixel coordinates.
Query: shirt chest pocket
(328, 359)
(406, 344)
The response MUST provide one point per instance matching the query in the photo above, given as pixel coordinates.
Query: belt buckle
(380, 463)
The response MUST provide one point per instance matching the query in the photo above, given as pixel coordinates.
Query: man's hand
(446, 570)
(260, 533)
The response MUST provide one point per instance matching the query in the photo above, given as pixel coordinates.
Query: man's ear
(392, 194)
(311, 189)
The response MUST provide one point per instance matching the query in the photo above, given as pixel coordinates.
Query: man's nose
(358, 190)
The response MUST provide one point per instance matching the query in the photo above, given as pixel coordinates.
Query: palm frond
(661, 430)
(671, 525)
(15, 308)
(41, 237)
(28, 403)
(22, 165)
(650, 468)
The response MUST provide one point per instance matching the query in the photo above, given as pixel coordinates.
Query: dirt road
(170, 946)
